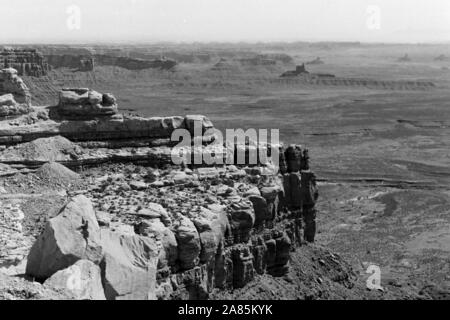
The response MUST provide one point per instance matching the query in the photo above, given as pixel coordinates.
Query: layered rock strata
(85, 103)
(86, 115)
(28, 62)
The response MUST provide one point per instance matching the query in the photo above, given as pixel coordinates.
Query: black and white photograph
(224, 154)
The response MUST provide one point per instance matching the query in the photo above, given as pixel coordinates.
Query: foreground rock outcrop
(71, 236)
(82, 280)
(169, 228)
(203, 234)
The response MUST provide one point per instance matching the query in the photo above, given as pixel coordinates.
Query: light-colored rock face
(71, 236)
(165, 239)
(9, 106)
(129, 266)
(82, 280)
(73, 249)
(15, 97)
(10, 82)
(7, 100)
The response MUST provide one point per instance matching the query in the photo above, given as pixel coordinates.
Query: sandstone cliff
(160, 230)
(28, 62)
(77, 62)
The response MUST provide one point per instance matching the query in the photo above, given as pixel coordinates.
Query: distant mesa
(268, 59)
(162, 63)
(405, 58)
(279, 57)
(316, 61)
(299, 70)
(88, 62)
(257, 61)
(223, 65)
(441, 57)
(27, 62)
(180, 56)
(76, 62)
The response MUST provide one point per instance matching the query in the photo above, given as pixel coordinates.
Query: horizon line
(205, 42)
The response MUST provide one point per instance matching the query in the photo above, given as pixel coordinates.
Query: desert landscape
(375, 119)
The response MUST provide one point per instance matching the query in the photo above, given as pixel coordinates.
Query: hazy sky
(224, 20)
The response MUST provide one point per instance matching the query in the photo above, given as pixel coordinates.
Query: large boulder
(72, 235)
(9, 106)
(10, 82)
(7, 100)
(188, 240)
(168, 247)
(155, 211)
(128, 266)
(83, 102)
(82, 280)
(197, 121)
